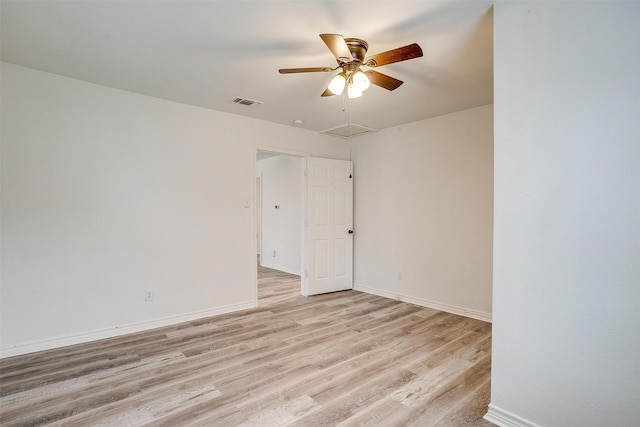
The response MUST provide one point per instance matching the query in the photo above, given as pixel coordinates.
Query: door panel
(329, 262)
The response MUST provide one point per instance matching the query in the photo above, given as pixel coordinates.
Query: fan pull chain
(344, 96)
(349, 121)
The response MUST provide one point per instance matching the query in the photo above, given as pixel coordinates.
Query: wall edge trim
(503, 418)
(467, 312)
(117, 331)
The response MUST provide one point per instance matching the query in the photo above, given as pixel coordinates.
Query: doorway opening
(306, 219)
(279, 211)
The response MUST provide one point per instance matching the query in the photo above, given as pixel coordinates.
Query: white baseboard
(280, 268)
(119, 330)
(503, 418)
(474, 314)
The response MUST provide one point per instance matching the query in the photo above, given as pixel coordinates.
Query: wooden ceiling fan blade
(383, 80)
(327, 92)
(395, 55)
(305, 70)
(337, 46)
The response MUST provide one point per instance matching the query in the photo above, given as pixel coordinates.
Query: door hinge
(306, 272)
(306, 171)
(306, 222)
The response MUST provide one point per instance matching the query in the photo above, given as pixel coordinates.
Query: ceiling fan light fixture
(360, 81)
(337, 84)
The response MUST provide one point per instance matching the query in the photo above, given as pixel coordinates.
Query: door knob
(350, 231)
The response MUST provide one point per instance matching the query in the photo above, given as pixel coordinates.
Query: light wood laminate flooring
(340, 359)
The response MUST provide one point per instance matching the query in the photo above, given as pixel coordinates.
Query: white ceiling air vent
(348, 130)
(246, 101)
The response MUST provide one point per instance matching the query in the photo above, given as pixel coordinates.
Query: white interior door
(328, 226)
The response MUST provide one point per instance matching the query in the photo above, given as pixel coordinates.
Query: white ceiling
(207, 53)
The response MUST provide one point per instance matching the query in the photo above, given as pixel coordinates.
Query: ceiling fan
(350, 54)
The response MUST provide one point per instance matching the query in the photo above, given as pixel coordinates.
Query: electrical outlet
(148, 295)
(274, 253)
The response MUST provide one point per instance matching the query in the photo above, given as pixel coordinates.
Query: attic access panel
(348, 130)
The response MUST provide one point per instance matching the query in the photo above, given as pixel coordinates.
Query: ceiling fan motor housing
(358, 49)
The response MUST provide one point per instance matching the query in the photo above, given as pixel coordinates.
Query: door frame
(258, 205)
(286, 152)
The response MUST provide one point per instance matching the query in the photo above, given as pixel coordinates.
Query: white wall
(566, 333)
(107, 193)
(282, 185)
(424, 208)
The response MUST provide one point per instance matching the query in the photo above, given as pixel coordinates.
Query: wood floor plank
(341, 407)
(468, 412)
(344, 358)
(377, 414)
(284, 414)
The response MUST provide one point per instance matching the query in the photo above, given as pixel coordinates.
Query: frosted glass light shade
(360, 81)
(337, 84)
(353, 92)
